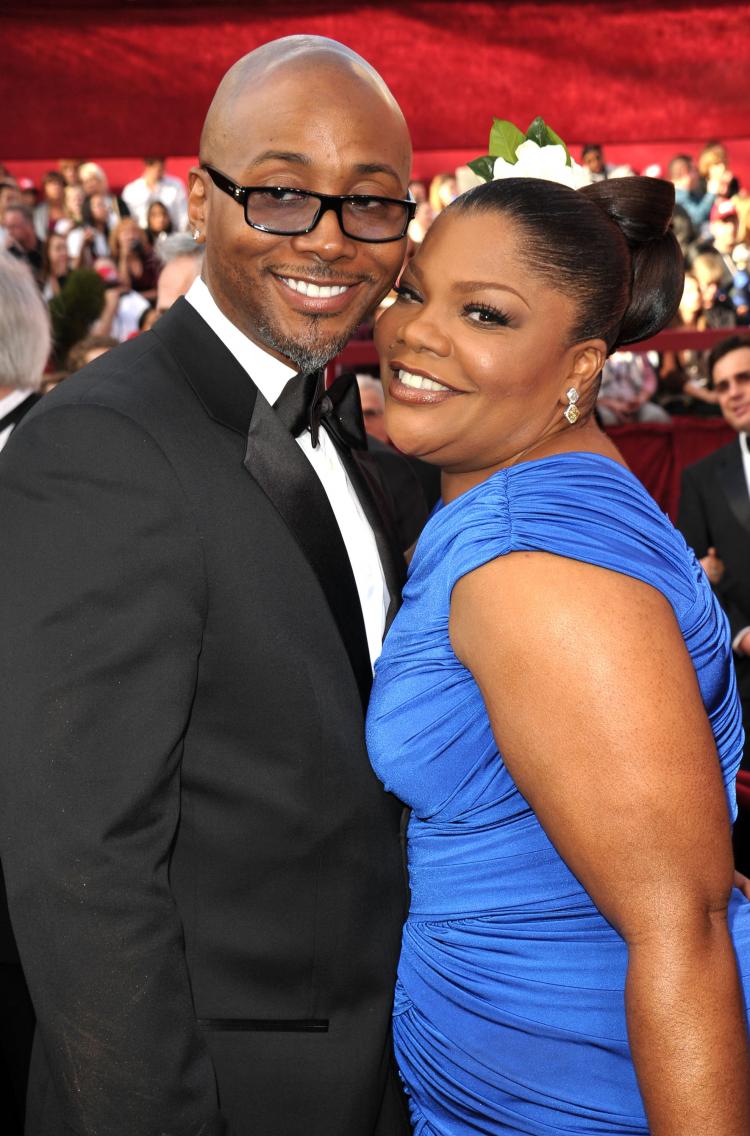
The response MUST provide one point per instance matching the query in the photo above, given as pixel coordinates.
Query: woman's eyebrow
(482, 285)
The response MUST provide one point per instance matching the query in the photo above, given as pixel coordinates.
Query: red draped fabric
(113, 79)
(743, 790)
(657, 454)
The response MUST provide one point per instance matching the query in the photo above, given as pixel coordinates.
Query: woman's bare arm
(595, 706)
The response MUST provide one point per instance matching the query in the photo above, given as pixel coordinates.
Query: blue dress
(509, 1012)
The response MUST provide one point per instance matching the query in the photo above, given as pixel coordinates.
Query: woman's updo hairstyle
(608, 245)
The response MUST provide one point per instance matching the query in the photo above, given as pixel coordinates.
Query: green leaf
(556, 140)
(505, 138)
(483, 167)
(538, 132)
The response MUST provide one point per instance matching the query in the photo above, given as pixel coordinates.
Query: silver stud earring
(196, 234)
(571, 412)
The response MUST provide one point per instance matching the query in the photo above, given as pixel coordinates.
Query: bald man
(204, 875)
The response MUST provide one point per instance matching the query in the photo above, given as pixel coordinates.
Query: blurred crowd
(107, 261)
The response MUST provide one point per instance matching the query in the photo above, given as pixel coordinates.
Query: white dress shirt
(138, 195)
(745, 451)
(270, 376)
(7, 404)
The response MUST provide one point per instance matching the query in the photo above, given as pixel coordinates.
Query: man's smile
(316, 296)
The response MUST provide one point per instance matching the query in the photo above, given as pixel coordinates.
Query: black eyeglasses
(289, 212)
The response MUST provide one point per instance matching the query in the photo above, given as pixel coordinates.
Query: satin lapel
(365, 478)
(286, 477)
(732, 478)
(277, 464)
(224, 388)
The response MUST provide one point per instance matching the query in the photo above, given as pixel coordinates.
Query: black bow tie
(305, 404)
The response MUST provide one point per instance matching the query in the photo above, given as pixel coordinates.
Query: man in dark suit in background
(24, 348)
(25, 340)
(714, 517)
(204, 876)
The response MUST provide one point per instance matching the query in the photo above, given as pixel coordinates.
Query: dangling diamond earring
(196, 234)
(571, 412)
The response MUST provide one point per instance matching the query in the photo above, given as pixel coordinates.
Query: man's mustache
(320, 274)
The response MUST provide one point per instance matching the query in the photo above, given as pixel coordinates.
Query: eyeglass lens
(289, 212)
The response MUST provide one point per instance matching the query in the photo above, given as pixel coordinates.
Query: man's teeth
(419, 382)
(324, 291)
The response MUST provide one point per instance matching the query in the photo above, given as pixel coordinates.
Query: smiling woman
(514, 299)
(574, 957)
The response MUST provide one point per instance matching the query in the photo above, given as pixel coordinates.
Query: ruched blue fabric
(509, 1011)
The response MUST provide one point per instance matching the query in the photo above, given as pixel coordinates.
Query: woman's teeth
(324, 291)
(419, 382)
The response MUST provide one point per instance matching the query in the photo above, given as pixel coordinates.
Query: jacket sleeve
(694, 522)
(102, 596)
(692, 516)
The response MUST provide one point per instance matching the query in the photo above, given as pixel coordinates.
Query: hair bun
(608, 247)
(642, 208)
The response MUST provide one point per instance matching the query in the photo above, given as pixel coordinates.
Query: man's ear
(197, 201)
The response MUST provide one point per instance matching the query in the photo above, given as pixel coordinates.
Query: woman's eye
(485, 314)
(404, 292)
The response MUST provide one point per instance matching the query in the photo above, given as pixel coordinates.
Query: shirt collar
(269, 374)
(12, 400)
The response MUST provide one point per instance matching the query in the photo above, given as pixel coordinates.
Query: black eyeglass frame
(328, 201)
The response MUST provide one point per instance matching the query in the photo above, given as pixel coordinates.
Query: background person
(155, 184)
(714, 514)
(683, 374)
(709, 270)
(713, 166)
(123, 306)
(51, 208)
(181, 259)
(690, 191)
(90, 239)
(373, 406)
(24, 350)
(93, 179)
(137, 267)
(597, 169)
(158, 223)
(21, 240)
(24, 343)
(56, 264)
(87, 350)
(628, 384)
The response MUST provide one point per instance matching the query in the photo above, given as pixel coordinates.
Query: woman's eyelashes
(486, 314)
(477, 311)
(406, 292)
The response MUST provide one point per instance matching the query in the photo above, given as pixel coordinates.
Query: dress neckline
(469, 494)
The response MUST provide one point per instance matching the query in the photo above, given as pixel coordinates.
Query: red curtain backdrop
(120, 79)
(657, 454)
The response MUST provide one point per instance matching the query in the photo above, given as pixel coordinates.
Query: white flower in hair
(538, 153)
(550, 163)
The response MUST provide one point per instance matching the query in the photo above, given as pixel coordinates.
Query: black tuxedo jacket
(204, 875)
(8, 949)
(715, 513)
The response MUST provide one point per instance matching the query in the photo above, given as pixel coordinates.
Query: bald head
(288, 63)
(301, 115)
